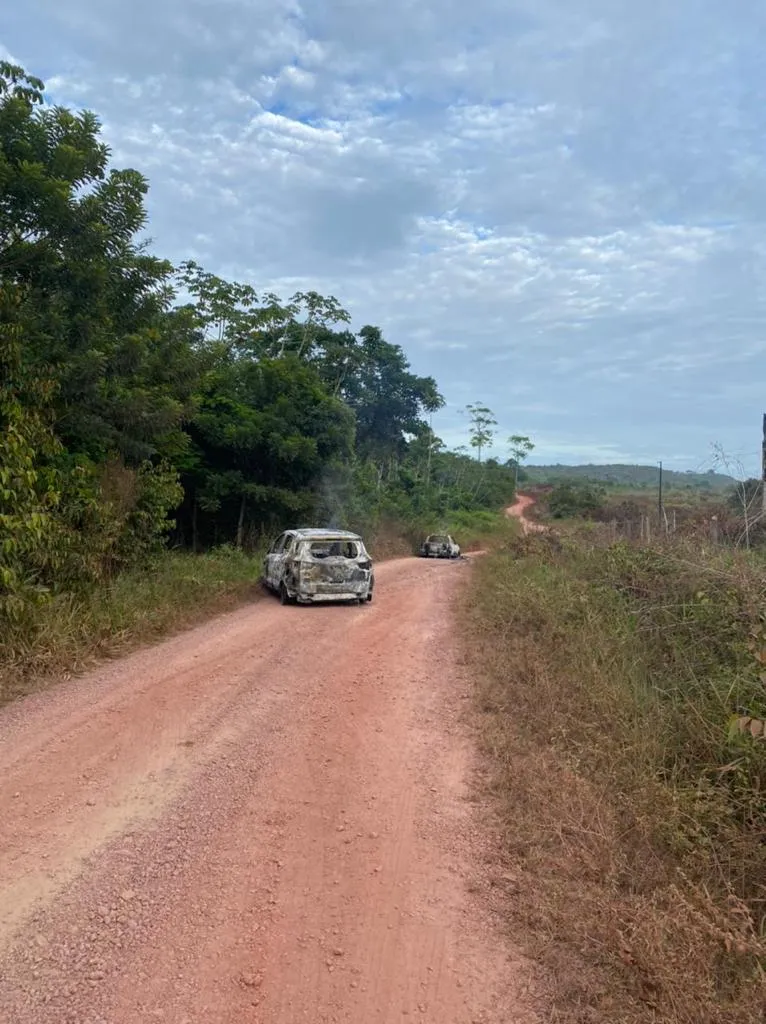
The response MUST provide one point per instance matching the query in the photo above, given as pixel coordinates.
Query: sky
(556, 207)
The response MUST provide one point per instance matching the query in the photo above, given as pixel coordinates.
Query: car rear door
(280, 557)
(273, 562)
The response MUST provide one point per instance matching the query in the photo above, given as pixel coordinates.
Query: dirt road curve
(267, 819)
(519, 509)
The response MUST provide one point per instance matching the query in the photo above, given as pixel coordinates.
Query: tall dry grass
(74, 630)
(633, 807)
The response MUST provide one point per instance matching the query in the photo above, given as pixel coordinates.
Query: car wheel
(284, 597)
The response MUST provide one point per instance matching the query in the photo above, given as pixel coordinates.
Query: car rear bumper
(347, 591)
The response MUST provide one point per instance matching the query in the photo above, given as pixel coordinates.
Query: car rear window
(333, 549)
(437, 538)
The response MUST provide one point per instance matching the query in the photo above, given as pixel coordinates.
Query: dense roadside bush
(622, 698)
(566, 500)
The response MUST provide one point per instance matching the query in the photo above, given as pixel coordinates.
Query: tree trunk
(241, 523)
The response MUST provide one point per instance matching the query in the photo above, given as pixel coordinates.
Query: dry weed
(637, 876)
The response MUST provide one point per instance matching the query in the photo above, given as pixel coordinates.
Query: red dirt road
(518, 511)
(265, 820)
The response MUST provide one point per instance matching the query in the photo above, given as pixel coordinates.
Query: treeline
(633, 477)
(141, 400)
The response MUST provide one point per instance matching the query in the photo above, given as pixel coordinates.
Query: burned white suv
(439, 545)
(319, 565)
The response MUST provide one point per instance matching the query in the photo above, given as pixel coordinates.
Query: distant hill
(629, 476)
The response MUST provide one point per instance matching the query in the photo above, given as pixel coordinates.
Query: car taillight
(366, 564)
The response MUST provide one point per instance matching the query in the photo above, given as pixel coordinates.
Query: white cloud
(563, 197)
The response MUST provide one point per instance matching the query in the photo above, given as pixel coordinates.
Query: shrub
(568, 500)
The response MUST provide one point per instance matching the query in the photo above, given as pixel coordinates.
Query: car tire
(284, 596)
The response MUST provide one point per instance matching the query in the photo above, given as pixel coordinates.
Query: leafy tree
(29, 490)
(389, 401)
(93, 299)
(320, 313)
(86, 366)
(233, 314)
(482, 430)
(519, 446)
(261, 436)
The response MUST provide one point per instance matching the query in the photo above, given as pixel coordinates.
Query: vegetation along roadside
(622, 708)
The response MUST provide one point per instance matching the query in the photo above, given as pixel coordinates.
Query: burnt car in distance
(439, 545)
(306, 566)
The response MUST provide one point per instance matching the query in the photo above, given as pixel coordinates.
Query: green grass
(475, 529)
(634, 814)
(72, 631)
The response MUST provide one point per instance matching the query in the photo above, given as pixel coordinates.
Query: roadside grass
(632, 808)
(73, 631)
(479, 529)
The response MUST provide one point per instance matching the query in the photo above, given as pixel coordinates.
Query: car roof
(318, 534)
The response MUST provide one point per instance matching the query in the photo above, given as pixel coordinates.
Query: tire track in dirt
(267, 819)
